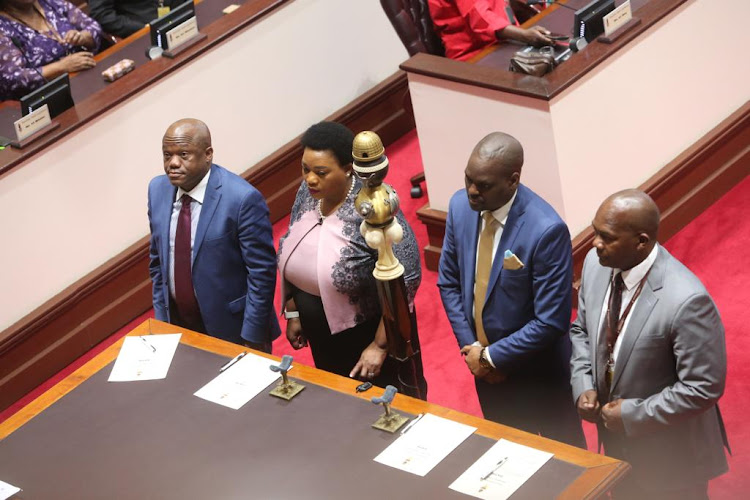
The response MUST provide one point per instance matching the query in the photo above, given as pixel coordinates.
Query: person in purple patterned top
(40, 40)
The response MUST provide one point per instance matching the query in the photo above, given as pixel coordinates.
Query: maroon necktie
(608, 336)
(187, 305)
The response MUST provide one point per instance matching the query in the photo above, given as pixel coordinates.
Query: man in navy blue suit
(212, 261)
(505, 281)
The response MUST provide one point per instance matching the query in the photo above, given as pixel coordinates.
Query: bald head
(190, 129)
(636, 209)
(187, 152)
(493, 171)
(501, 150)
(626, 227)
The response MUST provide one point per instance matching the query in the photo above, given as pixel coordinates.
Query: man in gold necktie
(505, 281)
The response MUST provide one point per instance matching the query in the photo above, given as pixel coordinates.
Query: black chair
(413, 24)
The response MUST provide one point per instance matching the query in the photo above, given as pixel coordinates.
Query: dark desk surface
(490, 68)
(94, 96)
(154, 439)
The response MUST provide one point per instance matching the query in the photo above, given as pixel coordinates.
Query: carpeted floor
(707, 245)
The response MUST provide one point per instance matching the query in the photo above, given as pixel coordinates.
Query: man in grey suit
(649, 359)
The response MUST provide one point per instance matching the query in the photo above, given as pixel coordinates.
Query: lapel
(210, 202)
(641, 312)
(512, 229)
(165, 215)
(470, 241)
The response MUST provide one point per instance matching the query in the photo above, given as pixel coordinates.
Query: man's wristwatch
(291, 315)
(483, 361)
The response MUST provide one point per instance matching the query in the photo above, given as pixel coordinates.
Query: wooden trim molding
(682, 189)
(85, 313)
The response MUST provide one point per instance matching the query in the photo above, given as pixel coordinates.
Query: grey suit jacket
(670, 372)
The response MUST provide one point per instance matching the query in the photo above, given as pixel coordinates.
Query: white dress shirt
(197, 194)
(631, 278)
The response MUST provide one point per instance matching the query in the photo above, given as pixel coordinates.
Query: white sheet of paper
(500, 471)
(425, 444)
(139, 361)
(240, 383)
(7, 490)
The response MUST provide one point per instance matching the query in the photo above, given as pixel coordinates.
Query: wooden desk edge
(601, 471)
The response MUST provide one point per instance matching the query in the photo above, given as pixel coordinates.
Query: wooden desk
(612, 117)
(86, 438)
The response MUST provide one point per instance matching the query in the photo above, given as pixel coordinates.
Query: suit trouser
(539, 405)
(615, 446)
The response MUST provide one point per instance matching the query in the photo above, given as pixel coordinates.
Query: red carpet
(706, 246)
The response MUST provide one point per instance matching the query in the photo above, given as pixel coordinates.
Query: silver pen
(148, 344)
(232, 361)
(411, 424)
(499, 464)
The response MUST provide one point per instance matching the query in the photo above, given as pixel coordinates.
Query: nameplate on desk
(617, 18)
(32, 123)
(182, 33)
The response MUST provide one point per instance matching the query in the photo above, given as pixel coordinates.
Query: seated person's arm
(111, 21)
(18, 78)
(536, 35)
(483, 16)
(88, 33)
(490, 16)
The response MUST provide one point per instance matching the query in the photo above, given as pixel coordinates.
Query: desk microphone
(544, 2)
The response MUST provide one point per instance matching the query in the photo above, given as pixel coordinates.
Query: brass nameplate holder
(286, 389)
(389, 421)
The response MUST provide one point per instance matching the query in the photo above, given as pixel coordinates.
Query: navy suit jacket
(234, 261)
(527, 311)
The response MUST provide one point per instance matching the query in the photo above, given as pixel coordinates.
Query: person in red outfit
(468, 26)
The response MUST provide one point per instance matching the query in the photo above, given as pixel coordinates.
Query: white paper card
(425, 444)
(617, 18)
(500, 471)
(7, 490)
(32, 123)
(145, 358)
(240, 383)
(182, 33)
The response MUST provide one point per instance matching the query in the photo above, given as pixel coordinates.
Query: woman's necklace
(349, 193)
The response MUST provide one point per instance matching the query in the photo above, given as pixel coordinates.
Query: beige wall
(83, 200)
(448, 131)
(649, 103)
(612, 129)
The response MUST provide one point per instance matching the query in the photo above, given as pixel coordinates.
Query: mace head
(370, 162)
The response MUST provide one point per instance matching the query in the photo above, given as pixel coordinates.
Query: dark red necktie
(608, 337)
(187, 305)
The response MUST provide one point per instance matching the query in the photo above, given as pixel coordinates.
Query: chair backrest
(413, 24)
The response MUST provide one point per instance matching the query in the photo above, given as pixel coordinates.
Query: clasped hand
(80, 38)
(610, 414)
(471, 355)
